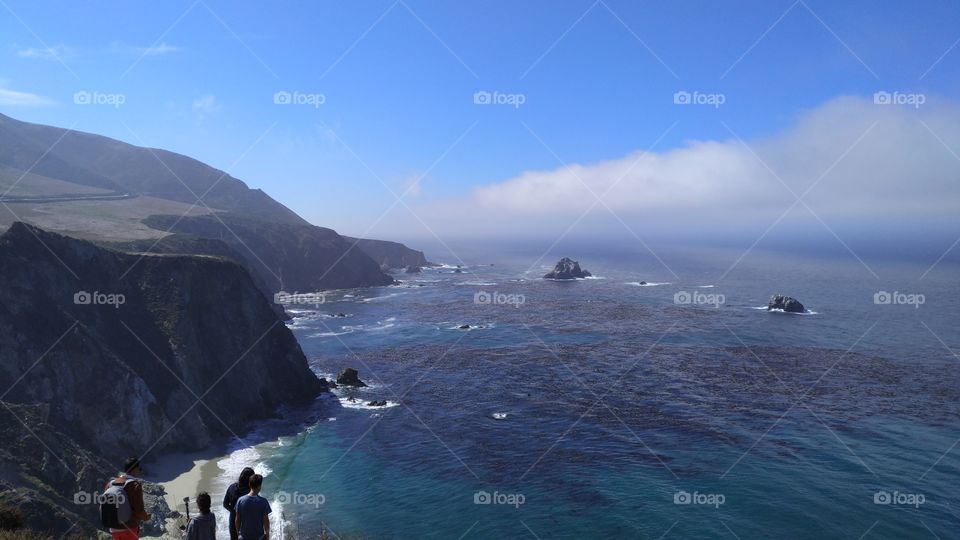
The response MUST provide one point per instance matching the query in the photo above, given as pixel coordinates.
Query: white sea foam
(347, 330)
(384, 297)
(648, 284)
(230, 467)
(777, 310)
(472, 327)
(362, 404)
(499, 415)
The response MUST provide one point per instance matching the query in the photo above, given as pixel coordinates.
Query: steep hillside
(93, 187)
(296, 258)
(97, 161)
(390, 254)
(107, 354)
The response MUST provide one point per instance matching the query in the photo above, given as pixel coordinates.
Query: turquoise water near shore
(602, 408)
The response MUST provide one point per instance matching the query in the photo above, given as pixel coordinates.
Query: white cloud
(158, 49)
(46, 53)
(877, 162)
(13, 98)
(59, 52)
(205, 105)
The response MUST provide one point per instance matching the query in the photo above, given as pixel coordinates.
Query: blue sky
(398, 80)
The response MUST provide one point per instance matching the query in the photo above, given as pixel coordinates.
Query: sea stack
(785, 303)
(350, 377)
(566, 268)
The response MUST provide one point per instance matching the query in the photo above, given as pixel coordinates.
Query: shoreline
(186, 474)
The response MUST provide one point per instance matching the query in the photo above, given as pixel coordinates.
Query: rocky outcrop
(566, 268)
(390, 254)
(108, 354)
(290, 257)
(350, 377)
(413, 270)
(785, 303)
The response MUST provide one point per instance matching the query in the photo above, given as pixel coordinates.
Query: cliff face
(163, 353)
(390, 254)
(185, 244)
(295, 258)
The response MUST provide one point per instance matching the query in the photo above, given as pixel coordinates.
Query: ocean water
(603, 408)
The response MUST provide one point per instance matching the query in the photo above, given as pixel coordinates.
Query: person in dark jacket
(204, 525)
(236, 490)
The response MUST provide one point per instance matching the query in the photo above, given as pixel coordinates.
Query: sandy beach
(184, 475)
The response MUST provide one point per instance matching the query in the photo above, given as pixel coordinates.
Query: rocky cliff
(106, 354)
(390, 254)
(292, 257)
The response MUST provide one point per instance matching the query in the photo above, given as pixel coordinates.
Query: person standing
(204, 525)
(236, 490)
(133, 511)
(253, 513)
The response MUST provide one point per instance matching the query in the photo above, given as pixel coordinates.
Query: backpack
(115, 506)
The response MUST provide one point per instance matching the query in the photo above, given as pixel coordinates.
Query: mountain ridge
(121, 193)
